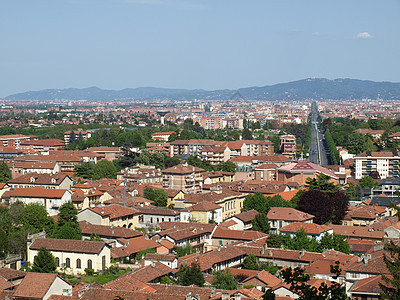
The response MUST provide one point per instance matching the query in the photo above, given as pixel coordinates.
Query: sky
(207, 44)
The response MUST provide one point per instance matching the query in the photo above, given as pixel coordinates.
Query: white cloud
(364, 35)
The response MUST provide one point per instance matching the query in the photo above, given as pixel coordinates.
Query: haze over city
(115, 44)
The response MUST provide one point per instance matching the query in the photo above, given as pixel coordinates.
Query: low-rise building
(282, 216)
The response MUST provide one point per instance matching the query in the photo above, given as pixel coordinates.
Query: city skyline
(116, 44)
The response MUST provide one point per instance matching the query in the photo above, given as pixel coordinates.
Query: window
(57, 261)
(68, 263)
(103, 262)
(78, 263)
(89, 264)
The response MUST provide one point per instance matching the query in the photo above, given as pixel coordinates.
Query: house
(197, 235)
(385, 163)
(259, 279)
(249, 163)
(203, 212)
(217, 176)
(223, 236)
(358, 232)
(152, 216)
(12, 276)
(161, 136)
(67, 160)
(393, 232)
(282, 216)
(312, 230)
(183, 177)
(302, 170)
(129, 248)
(43, 146)
(169, 260)
(14, 140)
(42, 286)
(50, 199)
(109, 153)
(47, 181)
(363, 215)
(111, 215)
(73, 255)
(267, 172)
(21, 168)
(109, 234)
(242, 221)
(367, 288)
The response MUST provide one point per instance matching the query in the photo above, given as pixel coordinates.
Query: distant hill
(312, 88)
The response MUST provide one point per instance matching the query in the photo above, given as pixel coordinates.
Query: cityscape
(178, 149)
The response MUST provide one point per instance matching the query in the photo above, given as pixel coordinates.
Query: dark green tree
(68, 225)
(260, 223)
(184, 250)
(72, 137)
(160, 197)
(275, 241)
(322, 183)
(224, 280)
(246, 134)
(298, 281)
(188, 275)
(251, 262)
(44, 262)
(391, 286)
(5, 174)
(84, 170)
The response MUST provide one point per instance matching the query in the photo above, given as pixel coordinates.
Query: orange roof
(309, 228)
(288, 195)
(35, 192)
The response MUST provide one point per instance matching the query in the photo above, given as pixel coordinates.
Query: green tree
(35, 219)
(251, 262)
(351, 191)
(68, 226)
(227, 166)
(188, 275)
(4, 244)
(224, 280)
(44, 262)
(104, 169)
(261, 223)
(160, 197)
(171, 161)
(391, 286)
(5, 174)
(275, 241)
(366, 182)
(256, 201)
(184, 250)
(355, 142)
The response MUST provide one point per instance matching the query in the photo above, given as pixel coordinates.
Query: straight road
(318, 153)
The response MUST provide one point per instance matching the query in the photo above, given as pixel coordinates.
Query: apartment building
(183, 177)
(288, 145)
(387, 164)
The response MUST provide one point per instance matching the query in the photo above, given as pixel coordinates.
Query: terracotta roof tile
(68, 245)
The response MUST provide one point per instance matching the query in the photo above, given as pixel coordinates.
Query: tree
(227, 166)
(4, 245)
(246, 134)
(84, 170)
(321, 183)
(355, 142)
(366, 182)
(160, 197)
(256, 201)
(351, 191)
(261, 223)
(5, 174)
(171, 161)
(44, 262)
(35, 219)
(251, 263)
(188, 275)
(104, 169)
(391, 286)
(275, 241)
(68, 225)
(298, 284)
(72, 137)
(224, 280)
(324, 207)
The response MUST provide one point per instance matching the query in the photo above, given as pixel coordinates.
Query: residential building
(21, 168)
(50, 199)
(266, 172)
(15, 140)
(109, 153)
(152, 216)
(302, 170)
(111, 215)
(282, 216)
(202, 212)
(161, 136)
(74, 255)
(312, 230)
(78, 135)
(183, 177)
(387, 164)
(288, 145)
(47, 181)
(43, 146)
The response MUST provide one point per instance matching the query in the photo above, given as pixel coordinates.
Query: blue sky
(209, 44)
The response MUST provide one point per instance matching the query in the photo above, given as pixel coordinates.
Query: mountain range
(311, 88)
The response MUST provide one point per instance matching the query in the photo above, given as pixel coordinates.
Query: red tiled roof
(114, 211)
(288, 214)
(35, 285)
(35, 192)
(77, 246)
(182, 169)
(309, 228)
